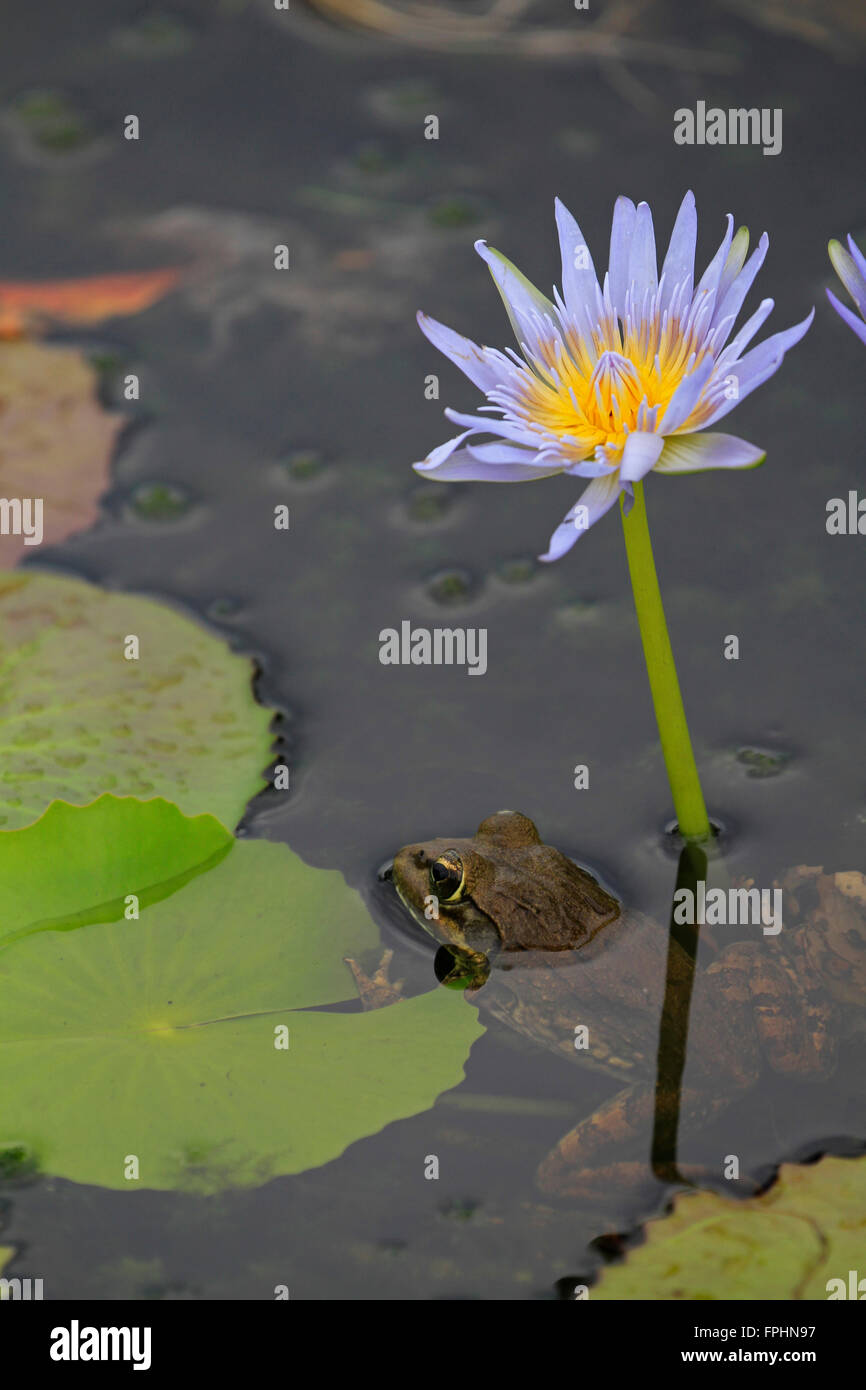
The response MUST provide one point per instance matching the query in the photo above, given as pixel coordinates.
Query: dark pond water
(259, 128)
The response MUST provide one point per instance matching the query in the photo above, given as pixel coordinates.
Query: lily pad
(157, 1039)
(145, 848)
(789, 1243)
(78, 719)
(56, 442)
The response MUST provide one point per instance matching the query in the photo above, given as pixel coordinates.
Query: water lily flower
(615, 380)
(851, 270)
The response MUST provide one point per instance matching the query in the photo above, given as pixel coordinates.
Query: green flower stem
(676, 743)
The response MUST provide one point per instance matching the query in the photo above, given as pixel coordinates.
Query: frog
(539, 945)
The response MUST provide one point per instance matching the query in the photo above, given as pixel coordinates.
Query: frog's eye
(448, 877)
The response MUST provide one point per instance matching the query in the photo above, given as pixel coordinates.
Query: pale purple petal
(857, 256)
(679, 264)
(851, 319)
(506, 429)
(624, 214)
(709, 281)
(739, 343)
(597, 499)
(693, 453)
(496, 452)
(731, 302)
(758, 366)
(579, 280)
(466, 467)
(642, 263)
(485, 367)
(588, 468)
(639, 455)
(687, 395)
(444, 451)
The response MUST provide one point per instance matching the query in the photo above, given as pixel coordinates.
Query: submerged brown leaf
(509, 26)
(56, 442)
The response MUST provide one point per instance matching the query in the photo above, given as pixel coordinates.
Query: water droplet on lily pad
(429, 503)
(577, 613)
(520, 569)
(302, 465)
(160, 502)
(52, 123)
(454, 211)
(404, 100)
(762, 762)
(460, 1209)
(451, 586)
(373, 159)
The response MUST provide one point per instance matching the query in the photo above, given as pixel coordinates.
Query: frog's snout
(410, 866)
(408, 870)
(411, 878)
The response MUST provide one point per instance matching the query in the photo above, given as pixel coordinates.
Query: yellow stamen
(589, 394)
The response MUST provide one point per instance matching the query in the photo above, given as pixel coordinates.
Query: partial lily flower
(851, 269)
(615, 381)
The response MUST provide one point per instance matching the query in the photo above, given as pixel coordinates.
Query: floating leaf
(158, 1037)
(55, 444)
(29, 305)
(808, 1229)
(147, 848)
(77, 719)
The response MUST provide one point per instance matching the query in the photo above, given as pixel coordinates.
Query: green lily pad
(789, 1243)
(145, 848)
(156, 1039)
(78, 719)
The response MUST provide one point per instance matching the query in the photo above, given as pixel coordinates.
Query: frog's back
(613, 985)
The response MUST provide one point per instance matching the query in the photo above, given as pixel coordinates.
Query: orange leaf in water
(26, 305)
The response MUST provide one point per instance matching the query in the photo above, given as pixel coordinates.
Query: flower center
(591, 396)
(613, 394)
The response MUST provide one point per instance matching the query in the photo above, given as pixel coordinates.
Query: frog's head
(503, 889)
